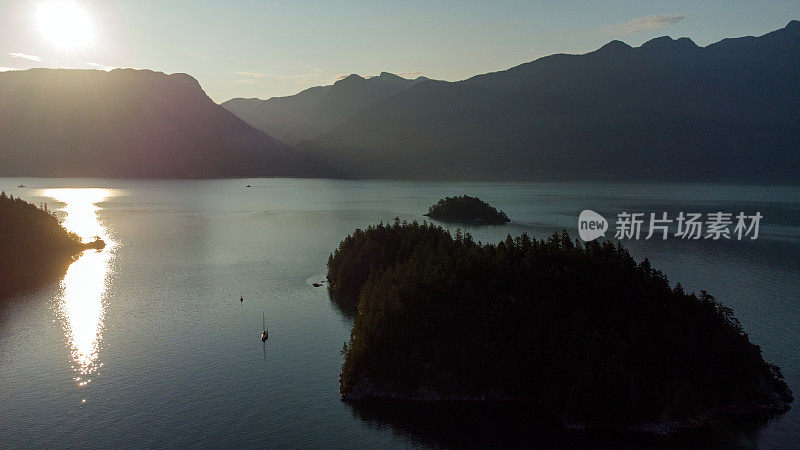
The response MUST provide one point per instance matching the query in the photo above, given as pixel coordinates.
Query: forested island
(466, 209)
(580, 330)
(33, 245)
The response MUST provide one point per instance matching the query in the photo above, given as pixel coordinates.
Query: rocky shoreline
(604, 343)
(366, 391)
(97, 244)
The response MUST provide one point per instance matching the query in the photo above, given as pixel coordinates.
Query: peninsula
(570, 327)
(35, 246)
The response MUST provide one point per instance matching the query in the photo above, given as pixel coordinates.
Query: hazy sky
(269, 48)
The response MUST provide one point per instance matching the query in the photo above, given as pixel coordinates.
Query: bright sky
(239, 48)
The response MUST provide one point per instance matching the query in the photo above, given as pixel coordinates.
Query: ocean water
(147, 344)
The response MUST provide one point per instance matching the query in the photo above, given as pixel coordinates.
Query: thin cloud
(299, 78)
(101, 66)
(410, 74)
(297, 62)
(401, 74)
(24, 56)
(252, 77)
(251, 74)
(649, 23)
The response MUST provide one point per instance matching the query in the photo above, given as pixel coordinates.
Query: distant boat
(241, 299)
(248, 186)
(21, 185)
(264, 332)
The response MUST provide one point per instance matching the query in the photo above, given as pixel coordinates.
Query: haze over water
(145, 343)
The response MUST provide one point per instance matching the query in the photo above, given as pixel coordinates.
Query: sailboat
(264, 332)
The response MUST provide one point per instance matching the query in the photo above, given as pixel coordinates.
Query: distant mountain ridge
(130, 123)
(668, 110)
(318, 109)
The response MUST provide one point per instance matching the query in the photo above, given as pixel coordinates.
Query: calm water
(146, 343)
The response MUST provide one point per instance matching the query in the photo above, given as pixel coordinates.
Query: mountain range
(667, 110)
(130, 123)
(318, 109)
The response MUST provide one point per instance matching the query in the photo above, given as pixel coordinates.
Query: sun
(64, 24)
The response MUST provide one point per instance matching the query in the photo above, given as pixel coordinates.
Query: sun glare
(64, 24)
(81, 304)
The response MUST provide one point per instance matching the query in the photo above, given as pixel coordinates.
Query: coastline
(54, 267)
(477, 221)
(364, 392)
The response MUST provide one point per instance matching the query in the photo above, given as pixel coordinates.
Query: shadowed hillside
(319, 109)
(129, 123)
(668, 110)
(33, 245)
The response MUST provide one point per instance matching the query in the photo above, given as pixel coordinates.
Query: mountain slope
(319, 109)
(129, 123)
(666, 110)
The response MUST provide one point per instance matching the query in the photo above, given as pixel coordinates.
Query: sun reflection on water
(83, 290)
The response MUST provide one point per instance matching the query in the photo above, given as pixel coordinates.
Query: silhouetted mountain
(319, 109)
(666, 110)
(129, 123)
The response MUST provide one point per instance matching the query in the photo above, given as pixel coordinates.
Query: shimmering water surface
(145, 343)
